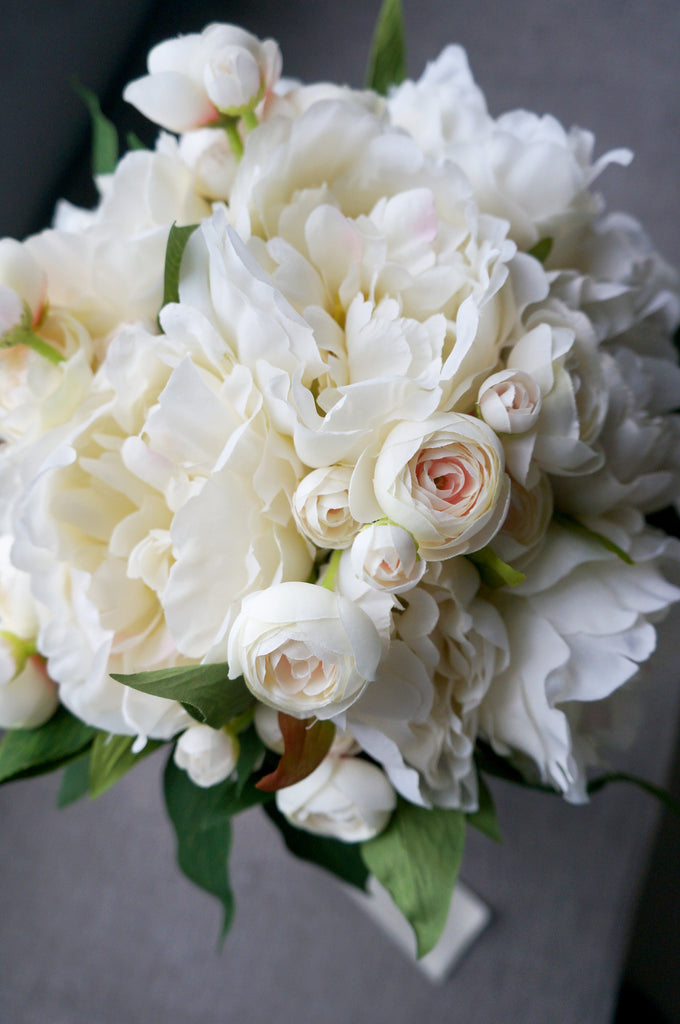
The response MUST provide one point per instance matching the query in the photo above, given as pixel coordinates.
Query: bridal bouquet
(327, 443)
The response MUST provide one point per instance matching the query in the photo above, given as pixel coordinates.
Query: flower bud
(321, 507)
(510, 401)
(208, 756)
(385, 556)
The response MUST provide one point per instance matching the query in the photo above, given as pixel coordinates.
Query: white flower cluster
(410, 351)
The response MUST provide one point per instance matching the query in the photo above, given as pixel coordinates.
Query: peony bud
(208, 756)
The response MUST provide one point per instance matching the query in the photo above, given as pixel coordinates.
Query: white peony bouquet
(327, 443)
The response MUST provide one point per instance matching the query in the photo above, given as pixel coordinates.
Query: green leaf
(206, 691)
(306, 743)
(251, 749)
(542, 249)
(661, 794)
(417, 859)
(387, 59)
(104, 134)
(493, 570)
(111, 757)
(203, 836)
(28, 752)
(342, 859)
(134, 141)
(569, 523)
(485, 818)
(177, 240)
(75, 782)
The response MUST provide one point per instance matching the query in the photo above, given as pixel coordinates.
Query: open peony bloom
(195, 78)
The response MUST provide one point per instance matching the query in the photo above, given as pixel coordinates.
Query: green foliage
(111, 757)
(493, 570)
(202, 822)
(485, 818)
(177, 240)
(341, 859)
(306, 743)
(417, 859)
(27, 752)
(75, 781)
(104, 134)
(205, 691)
(542, 249)
(387, 58)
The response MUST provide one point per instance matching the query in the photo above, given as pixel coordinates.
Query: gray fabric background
(96, 924)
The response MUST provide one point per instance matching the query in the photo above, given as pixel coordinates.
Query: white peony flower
(578, 628)
(343, 798)
(385, 556)
(443, 481)
(23, 283)
(303, 649)
(208, 756)
(321, 507)
(194, 78)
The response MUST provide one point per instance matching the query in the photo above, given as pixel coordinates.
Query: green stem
(250, 119)
(234, 138)
(25, 336)
(333, 566)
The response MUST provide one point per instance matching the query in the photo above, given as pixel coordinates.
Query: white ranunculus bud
(208, 756)
(303, 649)
(510, 401)
(344, 798)
(443, 481)
(28, 697)
(526, 523)
(385, 556)
(194, 77)
(22, 281)
(321, 507)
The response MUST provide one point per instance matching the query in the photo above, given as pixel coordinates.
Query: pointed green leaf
(206, 691)
(417, 859)
(203, 836)
(661, 794)
(306, 743)
(104, 134)
(177, 240)
(75, 781)
(251, 749)
(27, 752)
(542, 249)
(485, 818)
(134, 142)
(387, 59)
(342, 859)
(569, 523)
(493, 570)
(111, 757)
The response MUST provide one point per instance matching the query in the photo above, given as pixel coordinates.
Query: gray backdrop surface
(96, 924)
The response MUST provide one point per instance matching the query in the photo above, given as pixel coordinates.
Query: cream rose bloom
(385, 556)
(303, 649)
(321, 507)
(443, 481)
(343, 798)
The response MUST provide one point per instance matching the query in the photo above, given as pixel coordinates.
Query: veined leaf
(104, 134)
(27, 752)
(111, 757)
(417, 859)
(206, 691)
(177, 240)
(342, 859)
(306, 743)
(387, 59)
(493, 570)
